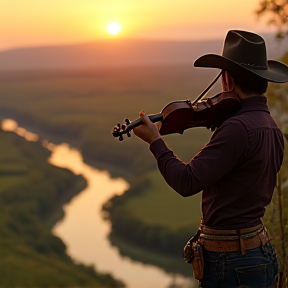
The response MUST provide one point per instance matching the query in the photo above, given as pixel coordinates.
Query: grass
(173, 265)
(13, 166)
(160, 205)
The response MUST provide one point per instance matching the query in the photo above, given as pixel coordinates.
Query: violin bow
(206, 91)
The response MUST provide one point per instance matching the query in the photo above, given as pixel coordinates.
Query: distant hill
(115, 53)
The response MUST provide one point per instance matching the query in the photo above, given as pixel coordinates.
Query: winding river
(83, 229)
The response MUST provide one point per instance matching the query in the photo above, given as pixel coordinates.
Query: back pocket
(252, 276)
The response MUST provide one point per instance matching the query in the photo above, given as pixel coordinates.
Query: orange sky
(48, 22)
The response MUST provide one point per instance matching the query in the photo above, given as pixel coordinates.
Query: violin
(178, 116)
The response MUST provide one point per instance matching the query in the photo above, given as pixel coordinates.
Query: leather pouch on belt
(198, 260)
(188, 252)
(193, 253)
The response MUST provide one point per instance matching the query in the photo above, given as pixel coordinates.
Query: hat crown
(243, 52)
(247, 49)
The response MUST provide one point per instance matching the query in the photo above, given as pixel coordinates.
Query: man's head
(246, 83)
(244, 53)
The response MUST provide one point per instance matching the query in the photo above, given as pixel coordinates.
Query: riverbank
(165, 245)
(86, 233)
(30, 255)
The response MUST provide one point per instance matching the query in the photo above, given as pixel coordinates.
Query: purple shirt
(236, 170)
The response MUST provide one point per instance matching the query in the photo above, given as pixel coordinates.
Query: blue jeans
(257, 268)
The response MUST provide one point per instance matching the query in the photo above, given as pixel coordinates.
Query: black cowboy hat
(245, 51)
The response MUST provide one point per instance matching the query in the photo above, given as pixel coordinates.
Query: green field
(84, 106)
(160, 205)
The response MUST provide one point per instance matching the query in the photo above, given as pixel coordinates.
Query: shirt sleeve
(225, 149)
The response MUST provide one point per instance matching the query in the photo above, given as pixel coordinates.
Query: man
(236, 170)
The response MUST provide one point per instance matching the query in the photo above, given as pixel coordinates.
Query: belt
(233, 240)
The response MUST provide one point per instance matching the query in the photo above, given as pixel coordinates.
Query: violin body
(178, 116)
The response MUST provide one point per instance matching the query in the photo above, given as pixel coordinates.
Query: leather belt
(207, 230)
(233, 240)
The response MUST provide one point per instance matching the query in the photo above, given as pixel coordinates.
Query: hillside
(117, 52)
(105, 53)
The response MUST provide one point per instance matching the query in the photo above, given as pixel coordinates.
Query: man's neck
(244, 95)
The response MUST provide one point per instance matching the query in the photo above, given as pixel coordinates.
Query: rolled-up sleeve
(225, 149)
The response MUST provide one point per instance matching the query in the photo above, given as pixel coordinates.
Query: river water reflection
(83, 229)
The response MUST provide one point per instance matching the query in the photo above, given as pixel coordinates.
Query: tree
(278, 15)
(276, 221)
(276, 218)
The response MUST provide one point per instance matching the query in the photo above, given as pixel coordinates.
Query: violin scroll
(119, 130)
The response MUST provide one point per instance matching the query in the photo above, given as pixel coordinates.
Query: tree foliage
(277, 10)
(276, 218)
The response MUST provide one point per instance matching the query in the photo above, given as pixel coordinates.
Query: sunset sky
(48, 22)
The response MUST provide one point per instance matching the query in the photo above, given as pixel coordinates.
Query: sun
(113, 28)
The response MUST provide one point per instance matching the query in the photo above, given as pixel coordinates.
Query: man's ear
(231, 82)
(228, 82)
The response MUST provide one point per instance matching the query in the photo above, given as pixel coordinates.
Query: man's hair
(250, 83)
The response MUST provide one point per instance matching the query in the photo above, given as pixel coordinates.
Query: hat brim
(275, 72)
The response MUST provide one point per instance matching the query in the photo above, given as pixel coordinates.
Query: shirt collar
(255, 103)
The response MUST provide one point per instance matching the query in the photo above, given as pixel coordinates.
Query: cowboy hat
(245, 51)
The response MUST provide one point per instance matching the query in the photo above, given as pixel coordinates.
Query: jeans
(256, 268)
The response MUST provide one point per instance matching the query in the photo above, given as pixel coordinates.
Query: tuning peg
(117, 127)
(123, 127)
(127, 121)
(121, 138)
(128, 134)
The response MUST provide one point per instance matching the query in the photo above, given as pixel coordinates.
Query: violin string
(206, 91)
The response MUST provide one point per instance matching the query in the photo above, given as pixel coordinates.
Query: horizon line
(122, 39)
